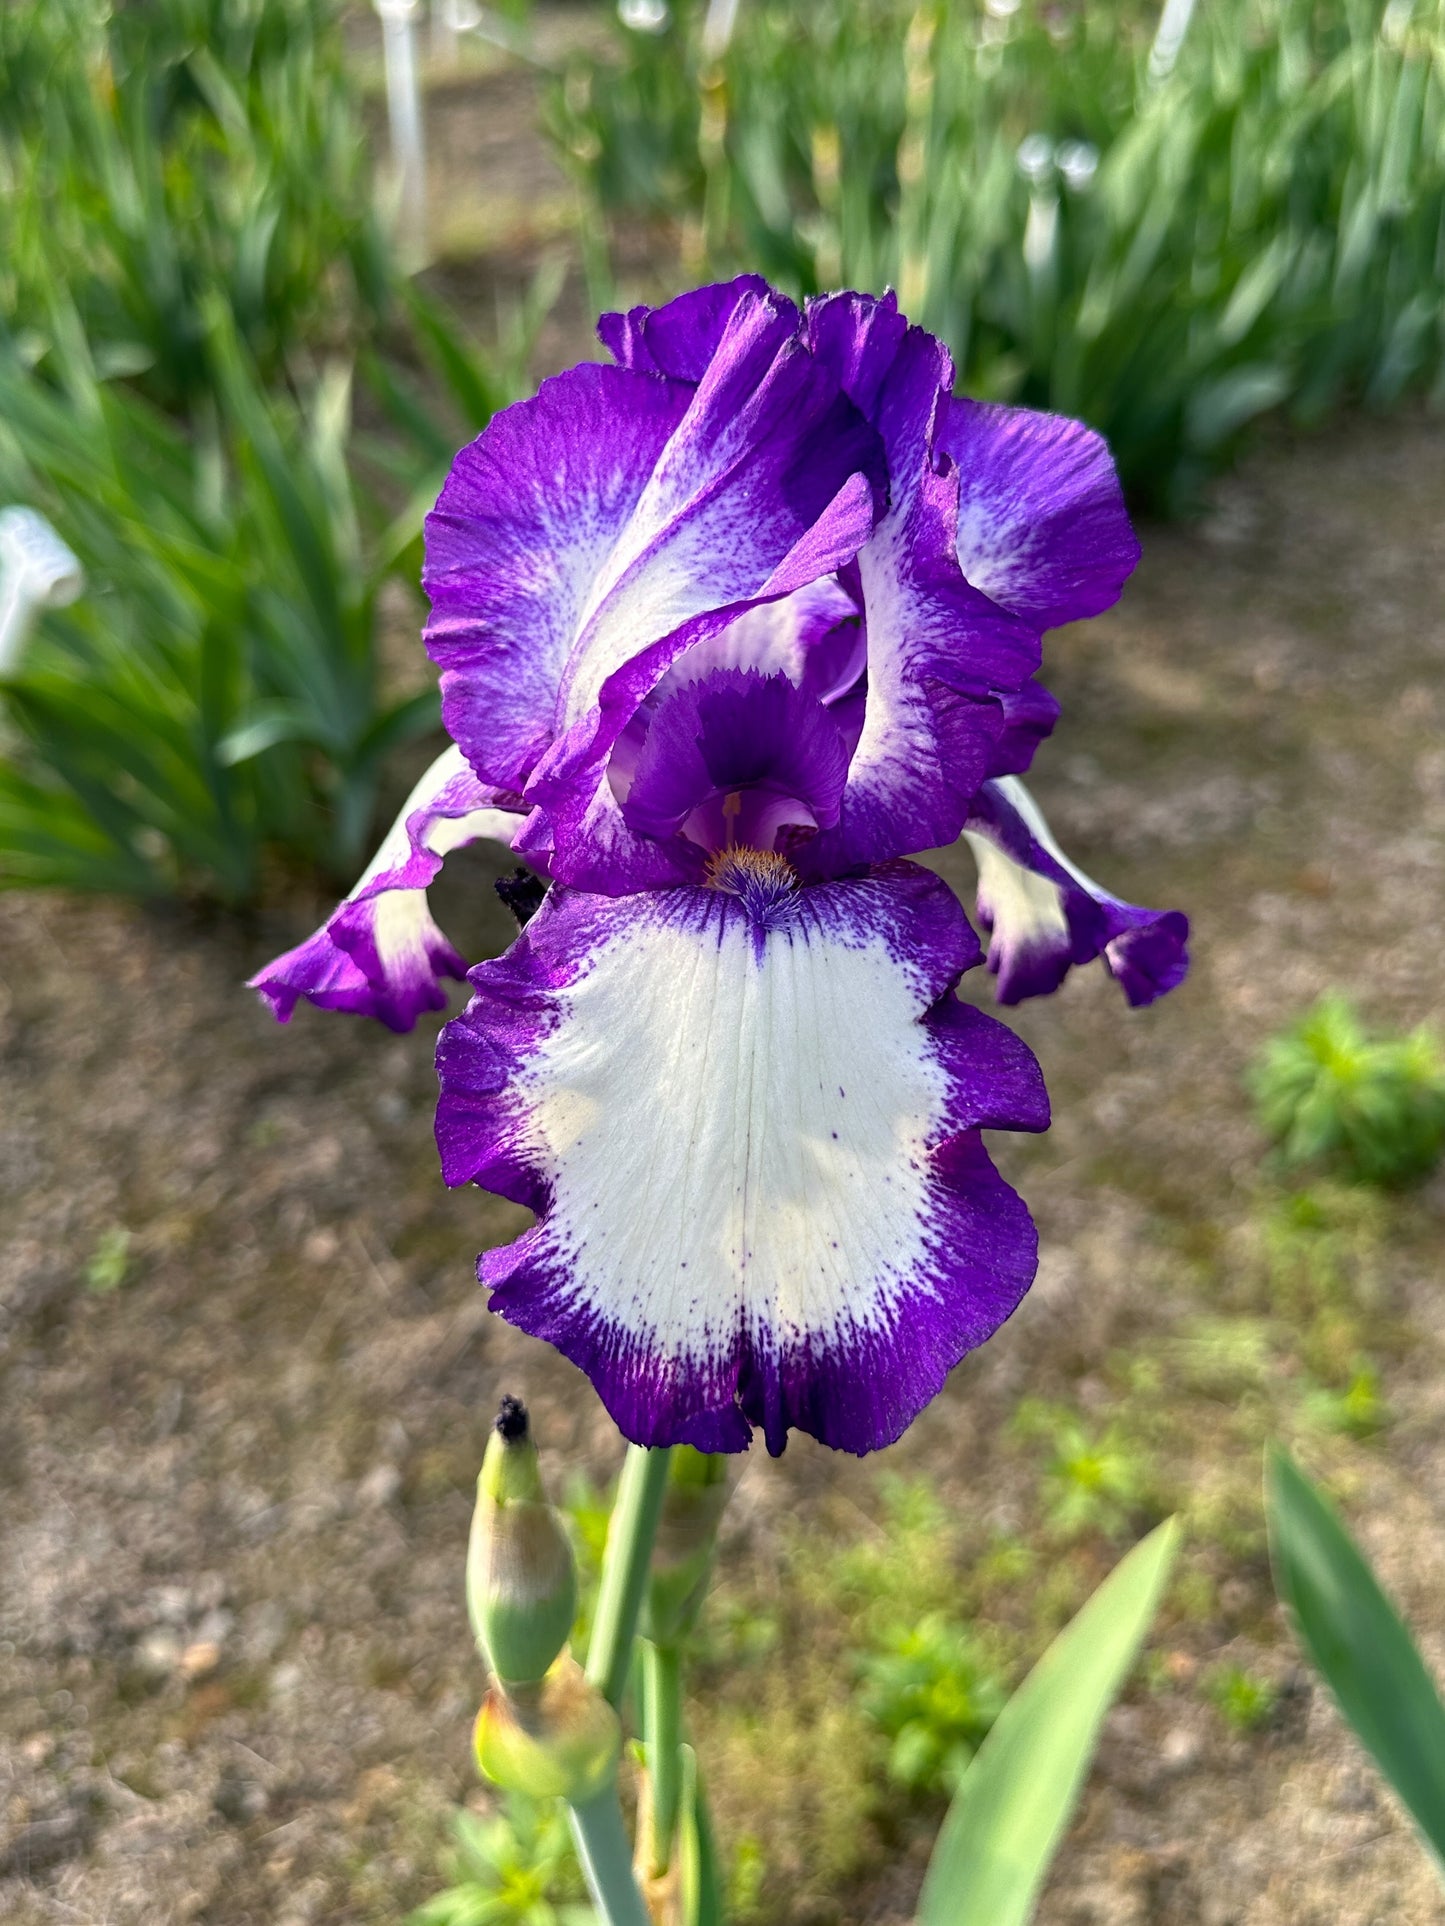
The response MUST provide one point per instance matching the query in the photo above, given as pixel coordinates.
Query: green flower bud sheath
(521, 1578)
(557, 1739)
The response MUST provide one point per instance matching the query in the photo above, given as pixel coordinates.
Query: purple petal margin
(1042, 526)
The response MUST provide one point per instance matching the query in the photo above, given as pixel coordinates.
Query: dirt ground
(235, 1676)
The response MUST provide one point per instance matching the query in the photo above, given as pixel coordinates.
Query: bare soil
(235, 1676)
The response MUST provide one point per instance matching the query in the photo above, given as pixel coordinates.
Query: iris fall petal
(748, 1118)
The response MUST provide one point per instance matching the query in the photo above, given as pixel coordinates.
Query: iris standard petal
(524, 528)
(590, 535)
(1042, 527)
(748, 1118)
(380, 953)
(680, 338)
(941, 654)
(1044, 915)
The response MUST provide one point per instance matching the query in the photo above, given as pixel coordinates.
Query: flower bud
(692, 1505)
(521, 1580)
(555, 1739)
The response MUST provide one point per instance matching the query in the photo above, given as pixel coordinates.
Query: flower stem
(663, 1738)
(606, 1855)
(624, 1569)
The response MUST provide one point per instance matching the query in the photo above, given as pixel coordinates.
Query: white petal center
(738, 1143)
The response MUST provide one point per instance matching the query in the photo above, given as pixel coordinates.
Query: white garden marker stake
(450, 19)
(404, 115)
(37, 571)
(717, 27)
(1169, 38)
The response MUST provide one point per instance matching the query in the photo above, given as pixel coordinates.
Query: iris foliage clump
(196, 300)
(151, 156)
(216, 689)
(1372, 1107)
(1166, 237)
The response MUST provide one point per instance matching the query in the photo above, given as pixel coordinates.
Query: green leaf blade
(1015, 1800)
(1359, 1643)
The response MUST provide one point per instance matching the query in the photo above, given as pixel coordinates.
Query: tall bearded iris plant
(727, 631)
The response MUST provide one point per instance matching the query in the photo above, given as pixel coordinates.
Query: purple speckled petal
(524, 528)
(594, 533)
(1044, 915)
(680, 339)
(379, 953)
(790, 1220)
(941, 654)
(859, 337)
(1042, 527)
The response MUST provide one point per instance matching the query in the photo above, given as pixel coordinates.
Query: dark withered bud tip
(522, 892)
(512, 1419)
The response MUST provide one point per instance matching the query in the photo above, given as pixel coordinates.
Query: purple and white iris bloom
(725, 632)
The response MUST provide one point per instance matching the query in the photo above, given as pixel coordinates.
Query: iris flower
(726, 631)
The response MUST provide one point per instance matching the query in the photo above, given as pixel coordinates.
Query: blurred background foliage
(152, 156)
(1168, 225)
(234, 402)
(198, 303)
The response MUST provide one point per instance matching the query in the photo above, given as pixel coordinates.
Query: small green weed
(1358, 1409)
(1371, 1108)
(931, 1690)
(1093, 1480)
(912, 1553)
(109, 1264)
(1244, 1702)
(516, 1868)
(745, 1884)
